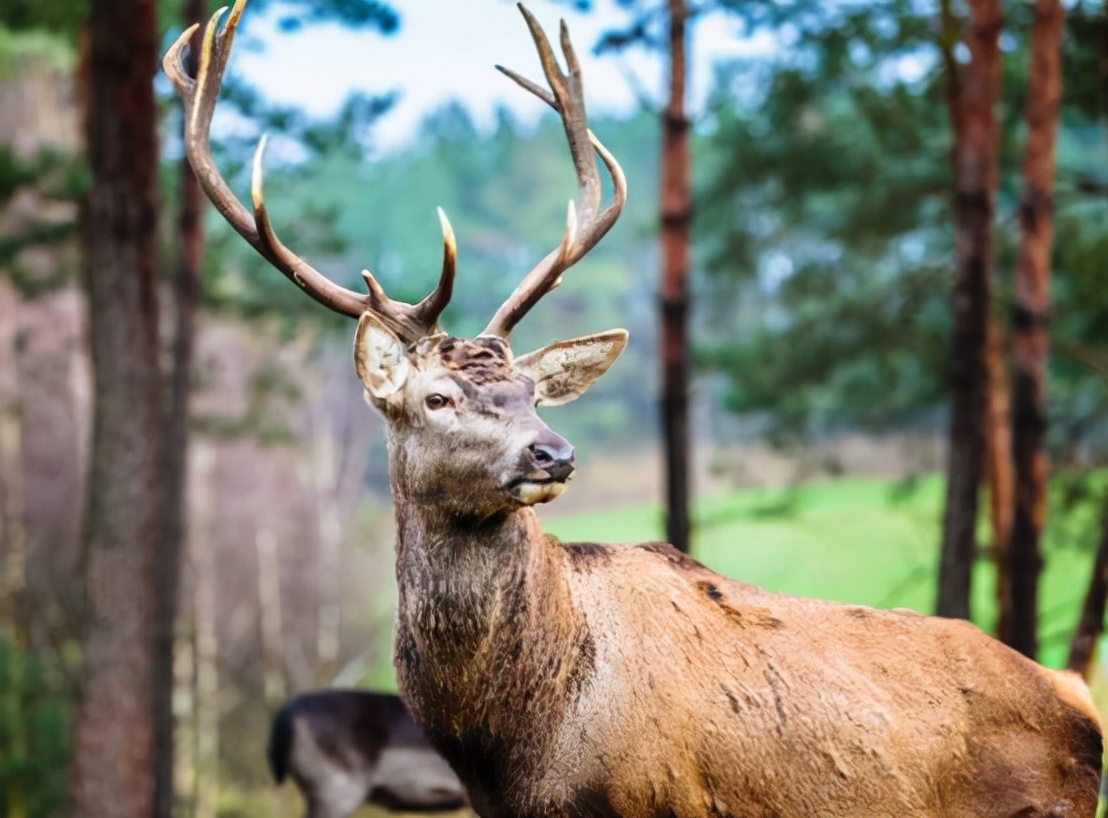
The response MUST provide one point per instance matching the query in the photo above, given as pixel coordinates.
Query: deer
(591, 679)
(345, 748)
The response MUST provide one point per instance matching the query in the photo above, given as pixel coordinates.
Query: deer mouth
(532, 490)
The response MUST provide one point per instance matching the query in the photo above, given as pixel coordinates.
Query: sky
(446, 49)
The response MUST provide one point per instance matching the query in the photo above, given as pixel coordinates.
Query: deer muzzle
(550, 469)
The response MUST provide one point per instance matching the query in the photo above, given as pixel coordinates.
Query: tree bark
(113, 731)
(999, 469)
(186, 301)
(1090, 625)
(676, 218)
(270, 620)
(206, 655)
(13, 533)
(1030, 338)
(975, 181)
(324, 479)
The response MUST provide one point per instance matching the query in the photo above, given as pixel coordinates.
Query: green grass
(861, 541)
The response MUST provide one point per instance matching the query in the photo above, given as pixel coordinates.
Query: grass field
(860, 541)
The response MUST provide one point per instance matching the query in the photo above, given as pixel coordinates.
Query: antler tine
(409, 322)
(431, 307)
(585, 227)
(414, 322)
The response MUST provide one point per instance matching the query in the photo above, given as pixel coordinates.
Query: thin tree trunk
(113, 732)
(1090, 625)
(676, 218)
(325, 479)
(184, 686)
(13, 580)
(998, 468)
(270, 621)
(975, 180)
(206, 656)
(1030, 339)
(997, 429)
(186, 300)
(13, 534)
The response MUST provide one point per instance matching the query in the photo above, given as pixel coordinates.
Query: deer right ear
(564, 370)
(380, 358)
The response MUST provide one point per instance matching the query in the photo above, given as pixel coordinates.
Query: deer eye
(436, 401)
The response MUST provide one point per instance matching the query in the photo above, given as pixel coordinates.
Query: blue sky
(447, 49)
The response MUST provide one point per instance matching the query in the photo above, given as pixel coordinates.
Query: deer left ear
(380, 358)
(562, 372)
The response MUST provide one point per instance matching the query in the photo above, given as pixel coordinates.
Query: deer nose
(553, 454)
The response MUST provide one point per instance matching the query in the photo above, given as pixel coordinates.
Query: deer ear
(563, 371)
(380, 358)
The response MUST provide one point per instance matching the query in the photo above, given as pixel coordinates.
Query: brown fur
(586, 679)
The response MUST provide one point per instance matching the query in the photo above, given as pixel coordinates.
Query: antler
(409, 322)
(586, 224)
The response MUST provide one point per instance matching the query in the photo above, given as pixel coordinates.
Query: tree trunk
(186, 300)
(998, 469)
(1090, 626)
(270, 621)
(113, 731)
(975, 181)
(324, 479)
(1030, 339)
(13, 581)
(205, 730)
(676, 217)
(13, 534)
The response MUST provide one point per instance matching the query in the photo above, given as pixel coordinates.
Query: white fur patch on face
(534, 493)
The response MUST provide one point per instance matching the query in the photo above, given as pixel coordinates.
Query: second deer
(345, 748)
(581, 679)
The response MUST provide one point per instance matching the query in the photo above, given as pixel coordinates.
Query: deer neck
(489, 643)
(469, 583)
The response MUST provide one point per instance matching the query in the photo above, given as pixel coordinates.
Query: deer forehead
(480, 367)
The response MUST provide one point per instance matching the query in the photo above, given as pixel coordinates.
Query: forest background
(861, 172)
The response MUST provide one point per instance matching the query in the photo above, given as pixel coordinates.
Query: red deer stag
(584, 679)
(345, 748)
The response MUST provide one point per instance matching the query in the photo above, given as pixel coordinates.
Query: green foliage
(34, 737)
(18, 46)
(55, 177)
(827, 210)
(63, 18)
(826, 215)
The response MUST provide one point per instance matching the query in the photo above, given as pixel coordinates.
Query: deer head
(461, 413)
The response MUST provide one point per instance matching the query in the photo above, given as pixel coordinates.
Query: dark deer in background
(345, 748)
(586, 679)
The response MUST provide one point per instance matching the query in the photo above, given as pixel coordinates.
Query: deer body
(586, 679)
(611, 680)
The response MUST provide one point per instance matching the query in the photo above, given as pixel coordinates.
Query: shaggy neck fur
(479, 599)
